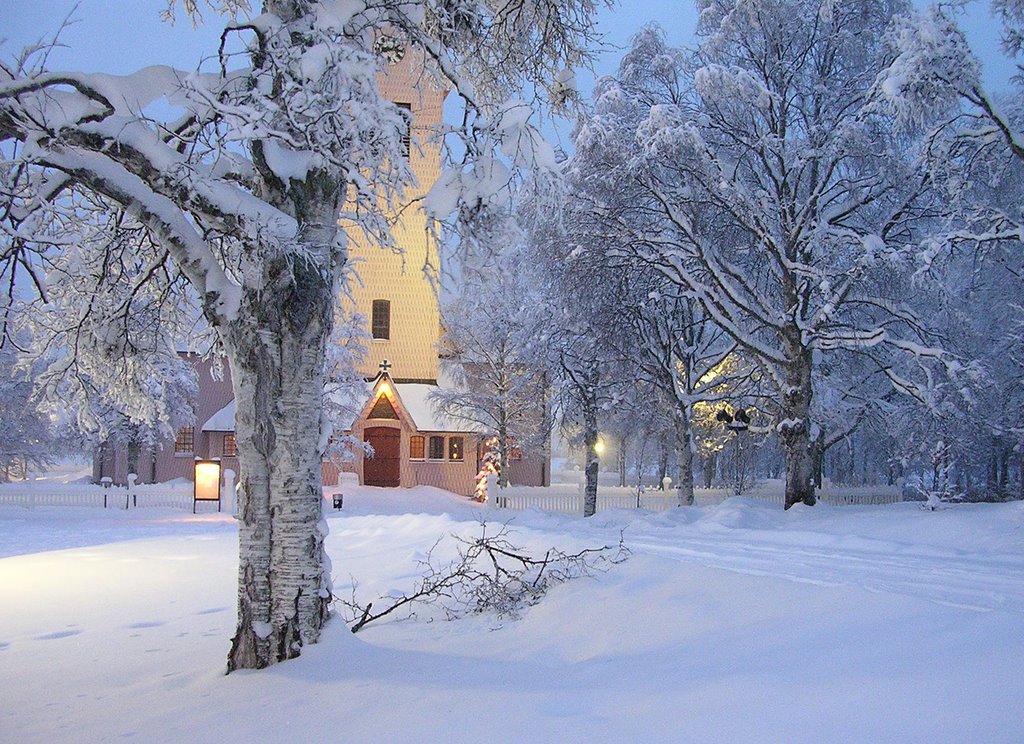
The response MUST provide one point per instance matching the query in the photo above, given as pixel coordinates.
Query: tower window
(405, 109)
(380, 321)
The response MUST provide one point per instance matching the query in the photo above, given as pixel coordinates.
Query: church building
(397, 293)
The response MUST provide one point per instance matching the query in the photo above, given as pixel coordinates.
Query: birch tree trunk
(794, 430)
(621, 458)
(590, 436)
(276, 350)
(684, 448)
(503, 450)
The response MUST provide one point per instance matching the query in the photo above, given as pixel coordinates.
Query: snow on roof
(416, 399)
(414, 396)
(223, 420)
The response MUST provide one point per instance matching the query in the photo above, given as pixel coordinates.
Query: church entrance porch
(384, 468)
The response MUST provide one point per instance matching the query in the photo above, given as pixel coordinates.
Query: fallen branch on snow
(490, 575)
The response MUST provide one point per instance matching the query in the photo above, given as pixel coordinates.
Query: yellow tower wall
(409, 279)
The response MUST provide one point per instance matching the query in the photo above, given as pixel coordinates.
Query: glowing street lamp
(207, 482)
(737, 422)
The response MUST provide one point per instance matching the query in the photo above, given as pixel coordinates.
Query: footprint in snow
(148, 624)
(212, 610)
(56, 635)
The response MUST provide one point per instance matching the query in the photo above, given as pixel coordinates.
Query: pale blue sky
(121, 35)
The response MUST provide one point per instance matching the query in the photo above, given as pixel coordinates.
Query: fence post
(581, 487)
(493, 494)
(130, 493)
(227, 491)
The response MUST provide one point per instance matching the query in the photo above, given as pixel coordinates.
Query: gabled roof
(414, 402)
(223, 420)
(412, 398)
(385, 387)
(416, 399)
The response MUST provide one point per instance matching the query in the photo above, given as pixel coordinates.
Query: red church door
(383, 469)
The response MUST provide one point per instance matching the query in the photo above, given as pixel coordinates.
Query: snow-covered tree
(252, 186)
(785, 202)
(27, 435)
(102, 335)
(976, 155)
(490, 355)
(576, 320)
(933, 76)
(662, 335)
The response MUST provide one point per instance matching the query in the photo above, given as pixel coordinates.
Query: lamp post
(737, 422)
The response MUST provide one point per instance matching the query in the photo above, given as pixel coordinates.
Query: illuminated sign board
(207, 482)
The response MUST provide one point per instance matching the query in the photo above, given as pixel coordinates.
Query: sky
(119, 36)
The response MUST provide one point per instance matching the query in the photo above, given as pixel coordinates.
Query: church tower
(397, 292)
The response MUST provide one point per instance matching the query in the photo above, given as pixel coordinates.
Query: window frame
(430, 448)
(380, 320)
(422, 441)
(185, 437)
(459, 444)
(232, 450)
(405, 134)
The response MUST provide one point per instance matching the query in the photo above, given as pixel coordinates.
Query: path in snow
(973, 582)
(895, 549)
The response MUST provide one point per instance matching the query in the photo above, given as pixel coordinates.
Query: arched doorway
(384, 468)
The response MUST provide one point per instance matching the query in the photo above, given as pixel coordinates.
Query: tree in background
(28, 436)
(104, 345)
(578, 317)
(488, 350)
(975, 154)
(772, 191)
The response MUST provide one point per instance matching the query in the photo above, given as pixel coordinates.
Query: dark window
(437, 448)
(380, 323)
(455, 448)
(417, 447)
(405, 109)
(230, 446)
(185, 441)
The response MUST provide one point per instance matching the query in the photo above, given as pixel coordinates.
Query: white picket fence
(567, 498)
(30, 495)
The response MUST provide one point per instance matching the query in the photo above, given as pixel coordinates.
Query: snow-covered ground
(733, 623)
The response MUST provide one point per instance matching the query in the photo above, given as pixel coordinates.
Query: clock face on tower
(390, 49)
